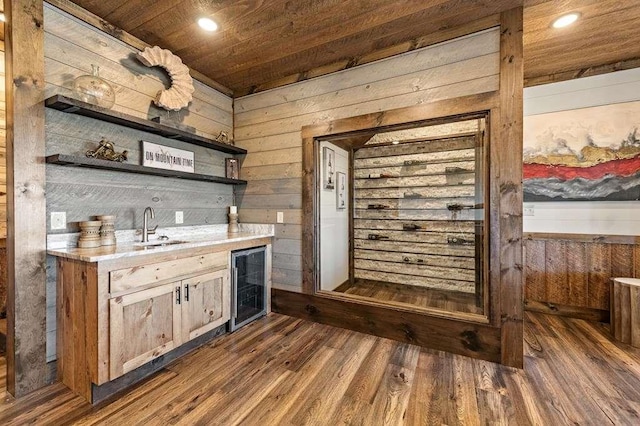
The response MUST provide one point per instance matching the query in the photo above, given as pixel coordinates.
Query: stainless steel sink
(156, 244)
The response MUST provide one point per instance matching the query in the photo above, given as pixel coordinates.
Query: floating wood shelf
(75, 161)
(73, 106)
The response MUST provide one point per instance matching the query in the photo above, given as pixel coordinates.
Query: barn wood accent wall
(26, 242)
(70, 47)
(403, 223)
(268, 125)
(570, 275)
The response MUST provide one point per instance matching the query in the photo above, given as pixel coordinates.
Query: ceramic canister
(107, 230)
(90, 234)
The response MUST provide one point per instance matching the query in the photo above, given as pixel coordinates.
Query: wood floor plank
(281, 370)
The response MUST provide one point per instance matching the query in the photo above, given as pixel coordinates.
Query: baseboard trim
(475, 340)
(579, 312)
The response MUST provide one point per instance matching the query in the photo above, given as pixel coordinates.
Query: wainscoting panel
(569, 274)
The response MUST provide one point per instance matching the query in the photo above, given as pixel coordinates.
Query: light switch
(280, 217)
(58, 220)
(179, 217)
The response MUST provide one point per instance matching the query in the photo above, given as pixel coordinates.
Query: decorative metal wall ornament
(223, 137)
(181, 91)
(106, 151)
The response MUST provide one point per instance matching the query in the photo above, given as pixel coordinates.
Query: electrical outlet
(179, 217)
(529, 211)
(58, 220)
(280, 217)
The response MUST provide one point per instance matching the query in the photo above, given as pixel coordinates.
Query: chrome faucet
(145, 225)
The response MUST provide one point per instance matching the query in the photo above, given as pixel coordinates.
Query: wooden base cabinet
(149, 323)
(118, 314)
(206, 303)
(142, 326)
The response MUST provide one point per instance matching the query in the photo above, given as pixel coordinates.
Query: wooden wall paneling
(590, 262)
(26, 242)
(556, 272)
(478, 65)
(426, 58)
(509, 173)
(577, 281)
(3, 161)
(125, 37)
(460, 89)
(599, 261)
(70, 49)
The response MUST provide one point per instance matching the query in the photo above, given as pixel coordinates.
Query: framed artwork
(588, 154)
(341, 193)
(231, 170)
(328, 169)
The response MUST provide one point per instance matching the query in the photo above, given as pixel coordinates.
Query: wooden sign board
(165, 157)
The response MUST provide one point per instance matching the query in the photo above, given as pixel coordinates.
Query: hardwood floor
(281, 370)
(450, 301)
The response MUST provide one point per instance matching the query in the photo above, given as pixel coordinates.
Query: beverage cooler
(249, 286)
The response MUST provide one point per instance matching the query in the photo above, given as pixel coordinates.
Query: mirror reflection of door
(409, 227)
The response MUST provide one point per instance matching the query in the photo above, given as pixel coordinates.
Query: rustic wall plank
(591, 263)
(26, 242)
(509, 177)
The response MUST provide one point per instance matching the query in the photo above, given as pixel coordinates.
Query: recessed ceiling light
(395, 142)
(565, 20)
(207, 24)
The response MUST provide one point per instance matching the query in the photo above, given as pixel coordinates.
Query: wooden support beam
(26, 207)
(509, 180)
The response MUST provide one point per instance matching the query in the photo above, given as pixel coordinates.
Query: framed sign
(165, 157)
(231, 170)
(328, 162)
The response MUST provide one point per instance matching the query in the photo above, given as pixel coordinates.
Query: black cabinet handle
(178, 295)
(186, 292)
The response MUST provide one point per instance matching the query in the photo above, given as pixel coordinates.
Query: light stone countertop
(64, 245)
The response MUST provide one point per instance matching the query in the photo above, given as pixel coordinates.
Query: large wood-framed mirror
(402, 219)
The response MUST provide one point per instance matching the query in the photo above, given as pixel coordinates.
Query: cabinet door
(143, 326)
(207, 303)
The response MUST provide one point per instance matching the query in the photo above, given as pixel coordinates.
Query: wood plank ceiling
(267, 43)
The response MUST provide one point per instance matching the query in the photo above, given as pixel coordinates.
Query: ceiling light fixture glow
(565, 20)
(207, 24)
(2, 17)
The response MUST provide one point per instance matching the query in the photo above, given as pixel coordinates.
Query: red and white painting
(587, 154)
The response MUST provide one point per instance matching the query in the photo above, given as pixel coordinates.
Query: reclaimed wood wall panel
(570, 274)
(70, 47)
(3, 152)
(268, 124)
(3, 189)
(416, 166)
